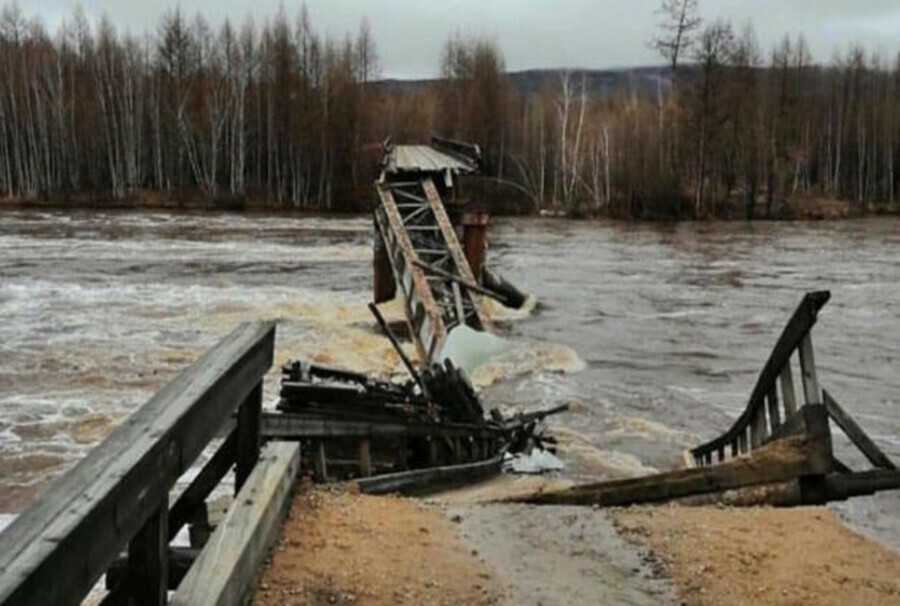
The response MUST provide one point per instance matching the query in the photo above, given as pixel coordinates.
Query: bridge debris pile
(445, 425)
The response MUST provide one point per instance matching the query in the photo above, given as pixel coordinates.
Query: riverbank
(795, 209)
(344, 548)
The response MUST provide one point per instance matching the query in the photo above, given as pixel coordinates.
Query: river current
(654, 334)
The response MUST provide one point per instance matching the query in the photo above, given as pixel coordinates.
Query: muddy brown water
(654, 333)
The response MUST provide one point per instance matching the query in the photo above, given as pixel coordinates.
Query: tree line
(275, 111)
(280, 115)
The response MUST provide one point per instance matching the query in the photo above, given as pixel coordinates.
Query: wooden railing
(117, 498)
(774, 399)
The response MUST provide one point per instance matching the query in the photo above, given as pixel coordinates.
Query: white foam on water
(527, 358)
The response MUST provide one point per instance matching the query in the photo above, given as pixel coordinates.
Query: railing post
(787, 390)
(148, 560)
(808, 370)
(320, 461)
(365, 457)
(249, 415)
(774, 411)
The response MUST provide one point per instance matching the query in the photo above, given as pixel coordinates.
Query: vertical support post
(787, 391)
(403, 454)
(384, 285)
(475, 449)
(365, 457)
(249, 417)
(735, 447)
(320, 462)
(774, 411)
(808, 369)
(475, 240)
(433, 452)
(755, 438)
(148, 560)
(459, 453)
(813, 490)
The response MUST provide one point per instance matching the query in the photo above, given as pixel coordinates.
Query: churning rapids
(654, 334)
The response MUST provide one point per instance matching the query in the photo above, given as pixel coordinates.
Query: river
(653, 333)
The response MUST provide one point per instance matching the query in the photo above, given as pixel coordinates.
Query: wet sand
(762, 556)
(344, 548)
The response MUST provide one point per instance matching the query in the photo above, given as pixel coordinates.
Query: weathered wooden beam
(56, 550)
(856, 434)
(296, 427)
(424, 481)
(225, 572)
(790, 459)
(838, 487)
(248, 438)
(861, 483)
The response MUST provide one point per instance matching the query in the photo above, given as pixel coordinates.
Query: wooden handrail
(793, 335)
(57, 549)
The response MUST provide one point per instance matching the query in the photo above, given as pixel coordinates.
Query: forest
(274, 114)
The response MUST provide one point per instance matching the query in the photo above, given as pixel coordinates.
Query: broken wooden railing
(773, 401)
(116, 499)
(778, 452)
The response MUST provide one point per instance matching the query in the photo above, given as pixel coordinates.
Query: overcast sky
(532, 33)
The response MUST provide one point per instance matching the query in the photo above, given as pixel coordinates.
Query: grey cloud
(532, 33)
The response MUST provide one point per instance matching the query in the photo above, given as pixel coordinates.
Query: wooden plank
(148, 560)
(90, 513)
(225, 573)
(793, 458)
(248, 440)
(426, 481)
(811, 391)
(856, 434)
(787, 390)
(298, 427)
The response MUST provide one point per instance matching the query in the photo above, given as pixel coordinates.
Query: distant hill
(599, 81)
